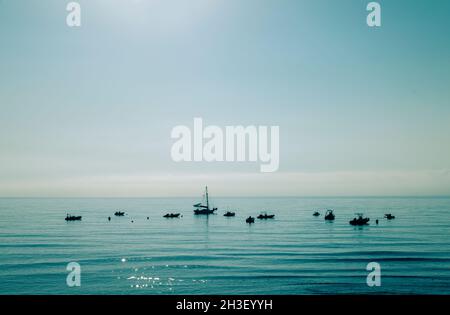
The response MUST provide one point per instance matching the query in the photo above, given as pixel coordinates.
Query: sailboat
(204, 209)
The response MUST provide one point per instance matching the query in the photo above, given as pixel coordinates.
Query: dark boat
(266, 216)
(250, 220)
(229, 214)
(119, 213)
(73, 217)
(329, 215)
(316, 214)
(204, 209)
(389, 216)
(359, 220)
(171, 215)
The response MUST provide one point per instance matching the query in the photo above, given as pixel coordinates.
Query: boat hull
(265, 217)
(204, 211)
(77, 218)
(359, 222)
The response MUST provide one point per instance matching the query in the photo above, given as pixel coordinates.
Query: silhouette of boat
(359, 220)
(171, 215)
(389, 216)
(329, 215)
(73, 217)
(229, 214)
(266, 216)
(119, 213)
(316, 214)
(250, 220)
(204, 209)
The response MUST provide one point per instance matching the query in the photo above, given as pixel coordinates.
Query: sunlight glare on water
(295, 253)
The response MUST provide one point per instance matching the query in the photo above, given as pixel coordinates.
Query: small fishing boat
(73, 217)
(316, 214)
(119, 213)
(171, 215)
(204, 209)
(250, 220)
(389, 216)
(329, 215)
(359, 220)
(229, 214)
(264, 216)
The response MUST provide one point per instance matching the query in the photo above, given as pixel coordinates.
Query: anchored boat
(171, 215)
(329, 216)
(73, 217)
(359, 220)
(250, 220)
(266, 216)
(229, 214)
(119, 213)
(204, 209)
(389, 216)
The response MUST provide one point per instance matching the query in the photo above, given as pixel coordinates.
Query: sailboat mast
(207, 200)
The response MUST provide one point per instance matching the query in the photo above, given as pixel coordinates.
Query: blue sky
(88, 111)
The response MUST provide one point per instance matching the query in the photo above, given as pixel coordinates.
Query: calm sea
(295, 253)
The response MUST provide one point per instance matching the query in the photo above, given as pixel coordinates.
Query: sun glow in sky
(153, 15)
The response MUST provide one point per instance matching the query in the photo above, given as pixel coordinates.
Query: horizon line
(196, 196)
